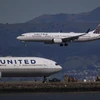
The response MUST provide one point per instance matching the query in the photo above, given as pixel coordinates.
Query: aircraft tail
(97, 30)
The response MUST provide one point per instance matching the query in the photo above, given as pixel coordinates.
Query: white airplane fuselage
(27, 66)
(60, 38)
(49, 37)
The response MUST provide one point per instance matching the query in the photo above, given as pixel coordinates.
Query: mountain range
(92, 16)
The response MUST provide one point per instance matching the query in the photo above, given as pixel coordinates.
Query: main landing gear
(44, 79)
(65, 44)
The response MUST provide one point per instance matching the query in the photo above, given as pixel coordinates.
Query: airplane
(61, 37)
(28, 67)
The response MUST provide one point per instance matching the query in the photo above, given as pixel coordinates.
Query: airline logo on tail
(97, 30)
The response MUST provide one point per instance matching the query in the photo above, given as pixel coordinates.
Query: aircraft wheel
(44, 79)
(66, 44)
(61, 44)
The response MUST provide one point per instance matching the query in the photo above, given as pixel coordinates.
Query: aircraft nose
(59, 68)
(19, 38)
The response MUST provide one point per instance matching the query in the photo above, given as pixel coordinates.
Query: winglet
(88, 30)
(60, 31)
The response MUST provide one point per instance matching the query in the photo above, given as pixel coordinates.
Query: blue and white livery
(27, 67)
(60, 38)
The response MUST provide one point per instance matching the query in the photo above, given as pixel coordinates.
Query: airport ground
(39, 87)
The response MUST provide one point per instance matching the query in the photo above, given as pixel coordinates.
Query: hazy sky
(16, 11)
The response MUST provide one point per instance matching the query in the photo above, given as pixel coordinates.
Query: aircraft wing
(72, 38)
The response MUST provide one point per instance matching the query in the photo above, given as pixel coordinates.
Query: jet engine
(57, 41)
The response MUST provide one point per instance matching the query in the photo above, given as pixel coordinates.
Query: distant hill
(92, 16)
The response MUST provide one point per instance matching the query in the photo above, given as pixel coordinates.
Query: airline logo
(97, 31)
(38, 34)
(18, 61)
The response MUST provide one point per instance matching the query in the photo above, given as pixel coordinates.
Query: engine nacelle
(57, 40)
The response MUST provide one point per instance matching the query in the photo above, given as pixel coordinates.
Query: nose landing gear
(24, 43)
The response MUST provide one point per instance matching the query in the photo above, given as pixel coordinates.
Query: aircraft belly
(27, 72)
(39, 39)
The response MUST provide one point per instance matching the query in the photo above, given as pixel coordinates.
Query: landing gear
(24, 43)
(44, 79)
(65, 44)
(61, 44)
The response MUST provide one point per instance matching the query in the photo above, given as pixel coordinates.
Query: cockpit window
(22, 34)
(56, 63)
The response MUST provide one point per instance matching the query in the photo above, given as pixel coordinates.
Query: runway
(39, 87)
